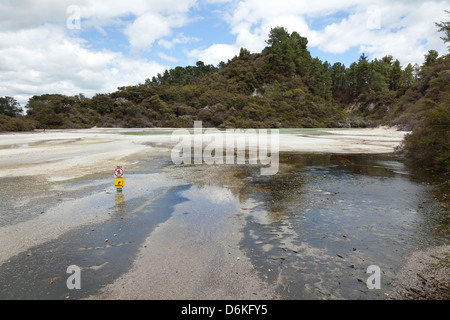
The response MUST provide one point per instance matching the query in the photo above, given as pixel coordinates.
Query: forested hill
(283, 86)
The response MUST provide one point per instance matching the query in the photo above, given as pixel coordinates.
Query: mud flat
(66, 154)
(206, 232)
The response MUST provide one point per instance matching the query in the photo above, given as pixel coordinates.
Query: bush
(8, 123)
(429, 142)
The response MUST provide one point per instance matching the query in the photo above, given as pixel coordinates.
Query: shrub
(429, 142)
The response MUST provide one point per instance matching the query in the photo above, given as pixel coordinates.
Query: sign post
(119, 181)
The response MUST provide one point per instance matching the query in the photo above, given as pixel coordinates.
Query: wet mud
(309, 232)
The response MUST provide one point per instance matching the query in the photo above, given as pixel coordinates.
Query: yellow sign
(119, 183)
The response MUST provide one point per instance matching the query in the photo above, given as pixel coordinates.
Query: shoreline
(424, 276)
(61, 155)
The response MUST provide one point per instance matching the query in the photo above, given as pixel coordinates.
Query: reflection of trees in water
(119, 202)
(230, 177)
(284, 193)
(273, 193)
(280, 194)
(371, 165)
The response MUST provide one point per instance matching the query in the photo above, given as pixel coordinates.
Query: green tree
(287, 53)
(379, 76)
(445, 28)
(10, 107)
(102, 103)
(277, 36)
(388, 60)
(51, 110)
(320, 79)
(180, 75)
(408, 77)
(428, 143)
(362, 75)
(338, 81)
(395, 76)
(351, 81)
(430, 58)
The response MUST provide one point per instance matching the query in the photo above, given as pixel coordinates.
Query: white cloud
(154, 19)
(214, 54)
(179, 39)
(38, 54)
(148, 28)
(407, 32)
(45, 60)
(105, 10)
(164, 56)
(403, 29)
(19, 15)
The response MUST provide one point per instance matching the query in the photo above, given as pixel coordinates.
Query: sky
(95, 46)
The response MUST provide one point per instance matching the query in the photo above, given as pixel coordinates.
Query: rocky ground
(426, 276)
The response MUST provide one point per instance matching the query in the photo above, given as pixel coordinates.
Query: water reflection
(360, 208)
(119, 202)
(312, 229)
(323, 219)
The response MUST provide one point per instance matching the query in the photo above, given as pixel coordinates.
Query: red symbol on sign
(119, 172)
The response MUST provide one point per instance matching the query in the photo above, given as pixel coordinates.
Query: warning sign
(119, 183)
(119, 172)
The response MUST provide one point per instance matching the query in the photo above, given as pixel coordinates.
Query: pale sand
(67, 154)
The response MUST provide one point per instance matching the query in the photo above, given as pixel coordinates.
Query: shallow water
(319, 224)
(311, 231)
